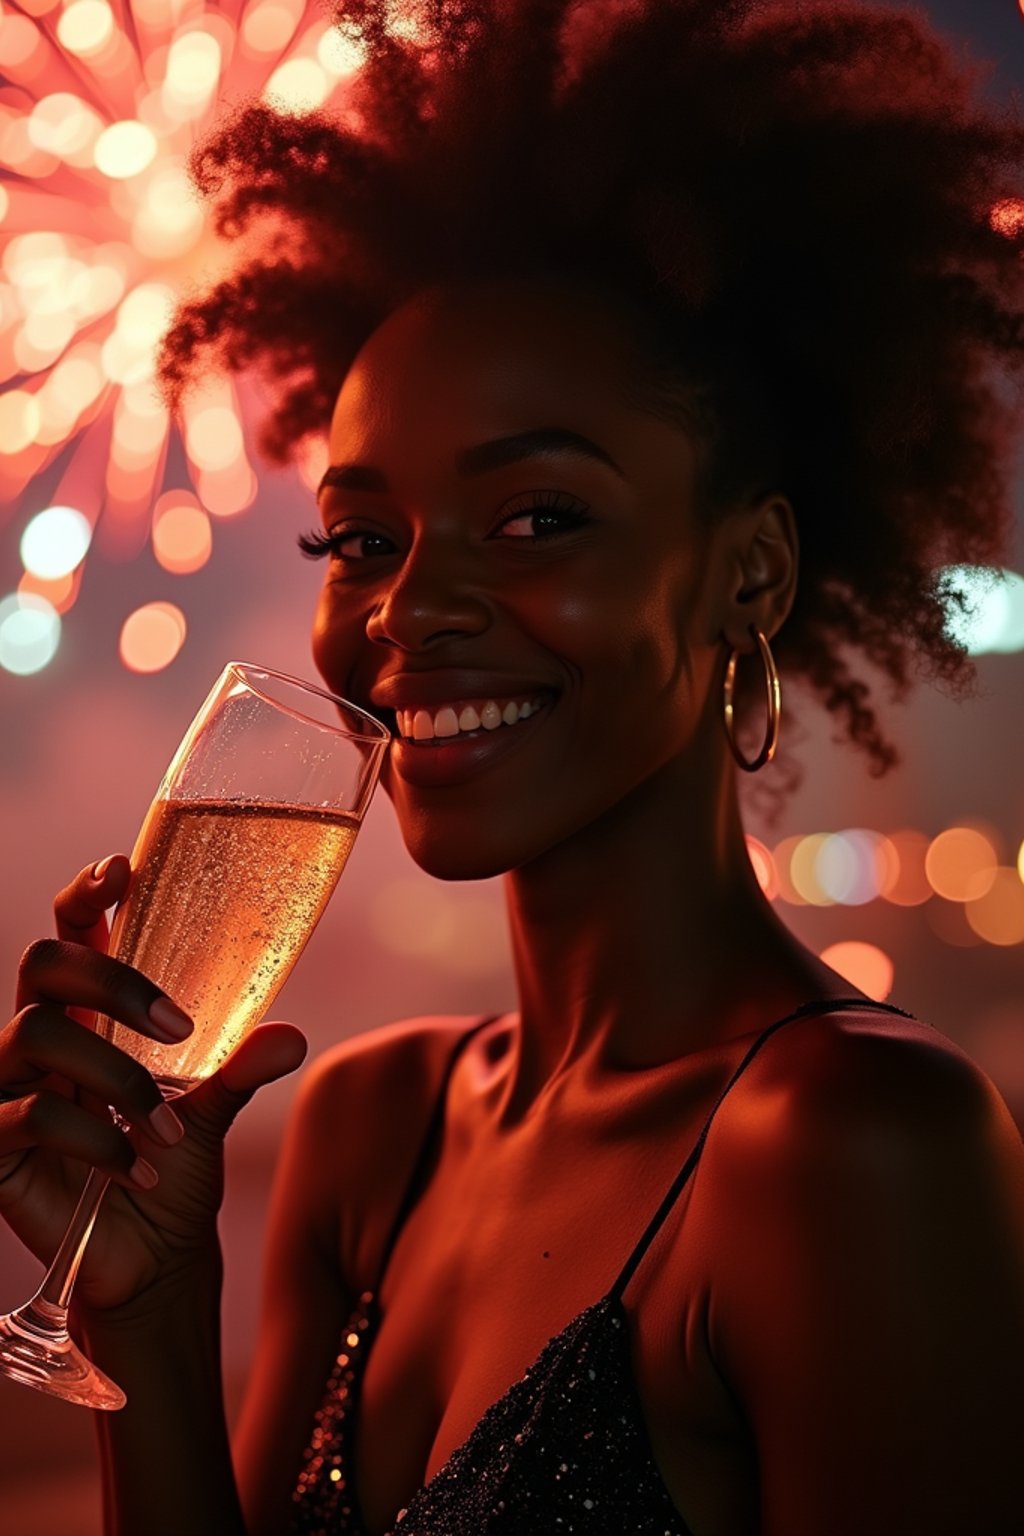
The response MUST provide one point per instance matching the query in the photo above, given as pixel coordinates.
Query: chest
(499, 1253)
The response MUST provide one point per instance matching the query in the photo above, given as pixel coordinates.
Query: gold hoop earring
(774, 695)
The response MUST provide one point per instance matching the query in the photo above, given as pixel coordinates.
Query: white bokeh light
(55, 542)
(996, 598)
(29, 633)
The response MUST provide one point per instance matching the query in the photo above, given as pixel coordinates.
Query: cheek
(335, 642)
(627, 636)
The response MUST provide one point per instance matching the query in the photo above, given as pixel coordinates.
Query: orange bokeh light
(764, 866)
(864, 965)
(906, 883)
(225, 493)
(60, 592)
(1007, 216)
(997, 916)
(182, 538)
(961, 863)
(151, 637)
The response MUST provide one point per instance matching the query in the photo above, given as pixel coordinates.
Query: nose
(435, 596)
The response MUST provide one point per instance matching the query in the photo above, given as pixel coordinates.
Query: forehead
(452, 367)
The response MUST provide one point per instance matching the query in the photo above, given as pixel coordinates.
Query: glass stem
(48, 1308)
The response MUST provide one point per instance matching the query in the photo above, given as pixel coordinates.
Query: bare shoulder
(852, 1075)
(394, 1057)
(870, 1186)
(360, 1114)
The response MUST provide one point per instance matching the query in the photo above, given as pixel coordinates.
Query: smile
(464, 717)
(452, 757)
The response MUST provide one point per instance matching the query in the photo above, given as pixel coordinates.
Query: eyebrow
(539, 442)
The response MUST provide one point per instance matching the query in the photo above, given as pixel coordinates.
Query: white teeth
(423, 725)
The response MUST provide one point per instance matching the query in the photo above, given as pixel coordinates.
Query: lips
(460, 758)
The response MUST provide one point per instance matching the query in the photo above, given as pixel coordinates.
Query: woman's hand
(57, 1077)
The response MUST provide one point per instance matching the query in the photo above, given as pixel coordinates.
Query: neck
(645, 937)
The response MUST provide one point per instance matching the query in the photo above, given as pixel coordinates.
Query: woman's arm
(869, 1308)
(166, 1456)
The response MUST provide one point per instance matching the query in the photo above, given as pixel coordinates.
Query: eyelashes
(317, 544)
(551, 507)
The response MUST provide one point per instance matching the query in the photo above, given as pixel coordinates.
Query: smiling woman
(647, 335)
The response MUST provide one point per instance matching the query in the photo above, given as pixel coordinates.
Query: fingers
(54, 970)
(79, 909)
(46, 1120)
(42, 1040)
(269, 1052)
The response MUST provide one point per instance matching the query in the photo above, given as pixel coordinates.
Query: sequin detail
(565, 1450)
(324, 1500)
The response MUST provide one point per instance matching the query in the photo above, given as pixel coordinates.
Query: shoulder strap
(417, 1176)
(832, 1004)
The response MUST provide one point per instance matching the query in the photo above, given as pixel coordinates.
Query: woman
(700, 1239)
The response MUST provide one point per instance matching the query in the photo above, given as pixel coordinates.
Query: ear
(762, 560)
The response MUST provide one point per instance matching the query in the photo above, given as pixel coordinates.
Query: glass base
(36, 1353)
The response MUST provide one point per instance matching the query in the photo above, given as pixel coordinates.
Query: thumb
(269, 1052)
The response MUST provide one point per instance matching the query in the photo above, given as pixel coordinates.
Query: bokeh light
(856, 866)
(994, 617)
(60, 593)
(803, 869)
(300, 85)
(151, 637)
(764, 866)
(182, 536)
(961, 863)
(55, 541)
(997, 916)
(781, 857)
(1007, 216)
(909, 885)
(85, 27)
(864, 965)
(124, 149)
(29, 633)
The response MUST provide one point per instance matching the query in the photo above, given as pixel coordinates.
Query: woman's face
(579, 579)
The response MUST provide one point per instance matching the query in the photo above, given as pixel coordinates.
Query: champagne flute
(237, 858)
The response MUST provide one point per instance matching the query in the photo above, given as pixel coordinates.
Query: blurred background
(138, 555)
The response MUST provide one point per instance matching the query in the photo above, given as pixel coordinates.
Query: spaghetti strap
(413, 1187)
(647, 1237)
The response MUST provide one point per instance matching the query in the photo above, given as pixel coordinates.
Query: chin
(448, 859)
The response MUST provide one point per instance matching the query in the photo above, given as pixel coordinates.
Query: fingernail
(100, 869)
(166, 1125)
(170, 1019)
(143, 1173)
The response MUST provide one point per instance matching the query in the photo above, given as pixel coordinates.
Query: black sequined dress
(564, 1452)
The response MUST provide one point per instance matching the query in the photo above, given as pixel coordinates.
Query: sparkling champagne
(224, 895)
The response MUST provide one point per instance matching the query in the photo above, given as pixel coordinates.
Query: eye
(550, 512)
(317, 544)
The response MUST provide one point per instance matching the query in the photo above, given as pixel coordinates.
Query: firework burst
(100, 103)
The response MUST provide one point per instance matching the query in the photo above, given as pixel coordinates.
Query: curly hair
(821, 224)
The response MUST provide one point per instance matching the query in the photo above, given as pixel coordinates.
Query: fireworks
(100, 229)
